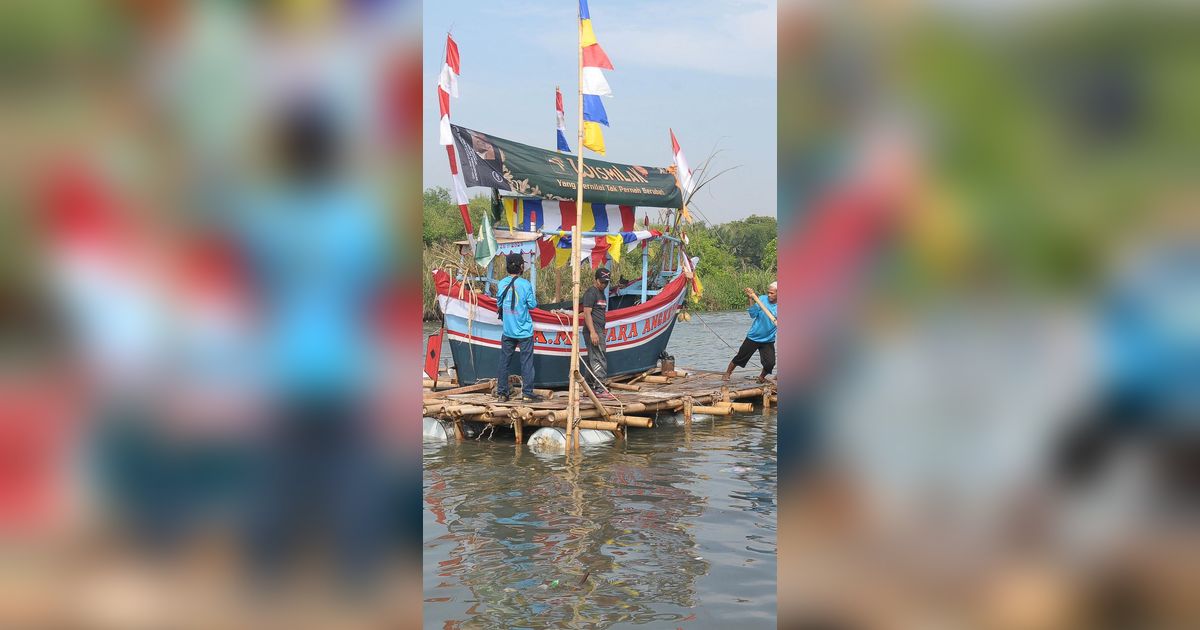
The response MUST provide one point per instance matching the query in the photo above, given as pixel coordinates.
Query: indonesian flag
(684, 172)
(681, 165)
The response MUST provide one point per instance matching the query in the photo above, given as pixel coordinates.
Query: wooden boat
(641, 317)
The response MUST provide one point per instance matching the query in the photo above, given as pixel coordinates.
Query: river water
(672, 528)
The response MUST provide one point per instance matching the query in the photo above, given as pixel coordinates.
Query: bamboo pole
(687, 412)
(661, 380)
(552, 421)
(624, 387)
(636, 421)
(598, 425)
(573, 395)
(587, 389)
(641, 376)
(712, 411)
(467, 389)
(764, 309)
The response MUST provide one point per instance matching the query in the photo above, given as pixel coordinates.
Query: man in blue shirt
(761, 336)
(313, 238)
(514, 298)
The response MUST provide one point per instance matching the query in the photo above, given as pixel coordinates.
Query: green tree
(748, 239)
(441, 221)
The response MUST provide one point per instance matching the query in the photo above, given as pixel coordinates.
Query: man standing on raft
(595, 311)
(761, 336)
(514, 299)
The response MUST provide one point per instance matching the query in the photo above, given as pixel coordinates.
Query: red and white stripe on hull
(626, 329)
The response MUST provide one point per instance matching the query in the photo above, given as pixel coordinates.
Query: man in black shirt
(595, 308)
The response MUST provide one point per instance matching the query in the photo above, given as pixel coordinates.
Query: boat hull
(635, 337)
(475, 361)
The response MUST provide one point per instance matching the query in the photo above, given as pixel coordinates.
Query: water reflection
(543, 542)
(674, 526)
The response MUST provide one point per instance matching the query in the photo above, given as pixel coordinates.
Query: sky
(705, 68)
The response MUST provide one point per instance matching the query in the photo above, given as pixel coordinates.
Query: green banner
(493, 162)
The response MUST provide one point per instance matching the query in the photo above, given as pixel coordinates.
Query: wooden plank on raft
(698, 391)
(484, 386)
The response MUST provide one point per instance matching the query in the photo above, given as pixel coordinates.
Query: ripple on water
(669, 527)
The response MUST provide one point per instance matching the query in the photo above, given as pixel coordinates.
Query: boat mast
(573, 390)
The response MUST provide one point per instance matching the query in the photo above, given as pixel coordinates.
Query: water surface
(671, 528)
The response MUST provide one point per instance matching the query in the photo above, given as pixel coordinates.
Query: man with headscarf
(761, 336)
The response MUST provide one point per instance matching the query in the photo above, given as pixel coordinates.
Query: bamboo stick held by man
(761, 336)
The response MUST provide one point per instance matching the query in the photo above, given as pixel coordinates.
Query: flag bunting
(556, 247)
(592, 83)
(530, 214)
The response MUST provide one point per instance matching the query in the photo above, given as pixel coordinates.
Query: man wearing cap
(514, 298)
(761, 336)
(595, 310)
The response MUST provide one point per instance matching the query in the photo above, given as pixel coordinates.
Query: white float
(434, 429)
(555, 438)
(672, 419)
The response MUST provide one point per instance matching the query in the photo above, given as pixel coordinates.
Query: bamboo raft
(640, 398)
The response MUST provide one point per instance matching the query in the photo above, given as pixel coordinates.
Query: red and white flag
(681, 166)
(447, 87)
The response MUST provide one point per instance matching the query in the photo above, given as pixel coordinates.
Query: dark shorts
(766, 352)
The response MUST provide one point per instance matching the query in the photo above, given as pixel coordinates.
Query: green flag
(485, 246)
